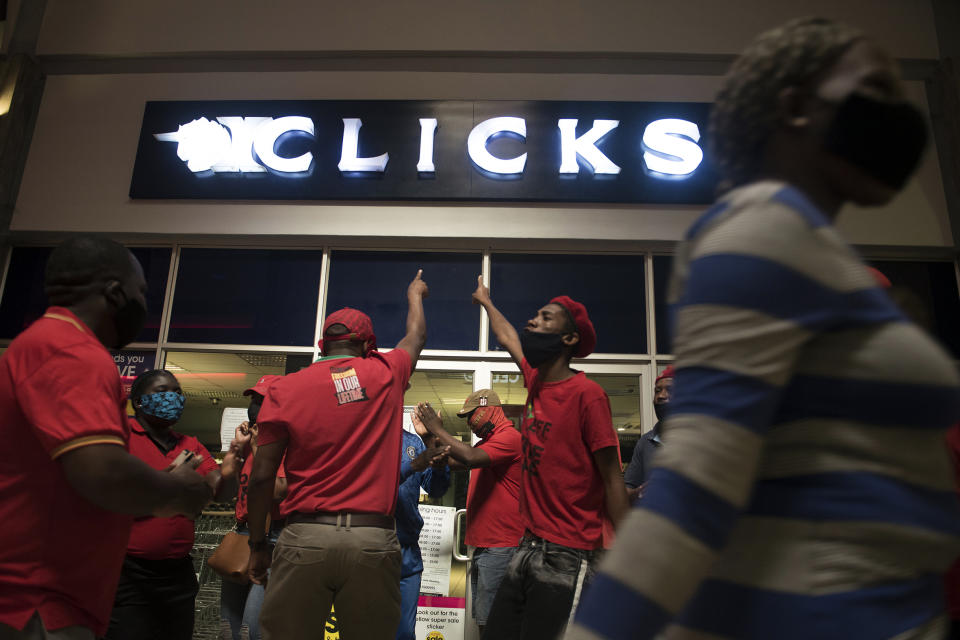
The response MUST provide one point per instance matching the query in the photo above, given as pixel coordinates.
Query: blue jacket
(409, 523)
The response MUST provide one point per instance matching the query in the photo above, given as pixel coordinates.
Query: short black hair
(82, 262)
(144, 379)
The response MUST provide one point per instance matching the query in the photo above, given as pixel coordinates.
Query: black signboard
(630, 152)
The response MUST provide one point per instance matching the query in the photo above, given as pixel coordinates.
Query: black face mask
(253, 411)
(484, 430)
(661, 409)
(539, 348)
(884, 139)
(128, 321)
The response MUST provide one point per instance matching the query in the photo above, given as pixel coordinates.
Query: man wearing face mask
(641, 463)
(68, 487)
(493, 496)
(155, 597)
(572, 484)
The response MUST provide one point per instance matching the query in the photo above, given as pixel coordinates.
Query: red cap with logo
(588, 335)
(358, 324)
(262, 385)
(667, 373)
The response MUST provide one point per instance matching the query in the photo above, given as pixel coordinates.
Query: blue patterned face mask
(166, 405)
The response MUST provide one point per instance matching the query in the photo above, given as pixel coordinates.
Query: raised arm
(416, 335)
(112, 479)
(469, 457)
(506, 335)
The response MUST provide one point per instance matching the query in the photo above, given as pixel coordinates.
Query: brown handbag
(231, 557)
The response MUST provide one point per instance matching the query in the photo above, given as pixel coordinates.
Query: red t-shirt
(244, 480)
(59, 554)
(564, 423)
(162, 538)
(493, 497)
(342, 418)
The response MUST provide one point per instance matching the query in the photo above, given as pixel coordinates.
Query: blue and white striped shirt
(804, 490)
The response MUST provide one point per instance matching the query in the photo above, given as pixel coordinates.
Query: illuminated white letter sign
(428, 128)
(481, 134)
(200, 143)
(241, 157)
(206, 145)
(265, 141)
(670, 147)
(585, 146)
(349, 161)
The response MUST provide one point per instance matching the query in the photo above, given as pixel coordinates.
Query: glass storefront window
(376, 283)
(24, 301)
(610, 286)
(246, 296)
(662, 266)
(213, 382)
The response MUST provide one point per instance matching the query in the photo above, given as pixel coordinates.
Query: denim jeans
(409, 597)
(240, 603)
(487, 571)
(540, 591)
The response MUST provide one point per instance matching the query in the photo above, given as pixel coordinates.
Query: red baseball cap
(358, 324)
(262, 385)
(667, 373)
(588, 335)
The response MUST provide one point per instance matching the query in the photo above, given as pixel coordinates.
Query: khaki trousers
(36, 631)
(318, 565)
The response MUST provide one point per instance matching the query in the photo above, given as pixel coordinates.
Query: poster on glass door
(436, 548)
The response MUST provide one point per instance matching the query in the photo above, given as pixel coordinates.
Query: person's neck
(160, 435)
(92, 315)
(556, 370)
(341, 353)
(797, 170)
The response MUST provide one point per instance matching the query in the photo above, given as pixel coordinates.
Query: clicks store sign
(638, 152)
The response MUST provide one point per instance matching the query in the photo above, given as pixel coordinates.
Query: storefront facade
(240, 286)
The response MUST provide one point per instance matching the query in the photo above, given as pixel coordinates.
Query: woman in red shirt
(155, 597)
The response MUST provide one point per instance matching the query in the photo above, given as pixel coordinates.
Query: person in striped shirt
(803, 490)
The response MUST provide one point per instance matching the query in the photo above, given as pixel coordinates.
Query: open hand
(482, 294)
(418, 425)
(418, 288)
(430, 419)
(429, 457)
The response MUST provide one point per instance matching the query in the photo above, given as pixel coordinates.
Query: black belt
(344, 519)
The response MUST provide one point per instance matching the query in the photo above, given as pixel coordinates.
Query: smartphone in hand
(182, 458)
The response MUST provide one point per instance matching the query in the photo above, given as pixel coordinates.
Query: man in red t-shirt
(339, 423)
(493, 497)
(572, 480)
(68, 487)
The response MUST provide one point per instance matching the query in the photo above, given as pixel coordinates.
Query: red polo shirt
(493, 497)
(244, 480)
(60, 555)
(342, 418)
(162, 538)
(564, 423)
